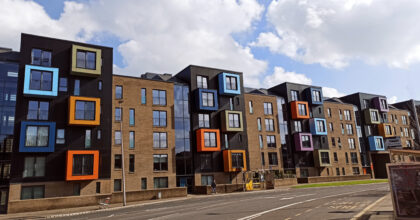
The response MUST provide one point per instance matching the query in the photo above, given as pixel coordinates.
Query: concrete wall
(320, 179)
(220, 188)
(285, 182)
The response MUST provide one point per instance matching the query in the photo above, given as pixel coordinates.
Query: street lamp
(122, 156)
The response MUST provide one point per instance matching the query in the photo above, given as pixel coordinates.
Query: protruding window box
(303, 142)
(381, 104)
(385, 130)
(82, 165)
(234, 160)
(84, 111)
(86, 61)
(314, 96)
(322, 158)
(37, 136)
(40, 81)
(376, 143)
(229, 84)
(208, 140)
(318, 126)
(231, 121)
(300, 110)
(206, 99)
(372, 116)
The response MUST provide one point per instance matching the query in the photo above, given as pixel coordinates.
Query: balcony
(381, 104)
(299, 109)
(37, 136)
(40, 81)
(206, 99)
(318, 126)
(208, 140)
(385, 130)
(234, 160)
(303, 142)
(232, 121)
(85, 111)
(322, 158)
(314, 96)
(372, 116)
(82, 165)
(376, 143)
(86, 61)
(229, 84)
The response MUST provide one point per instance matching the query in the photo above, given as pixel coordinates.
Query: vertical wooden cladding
(295, 110)
(201, 142)
(227, 160)
(70, 156)
(72, 111)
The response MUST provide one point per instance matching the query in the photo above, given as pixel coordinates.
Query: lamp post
(122, 156)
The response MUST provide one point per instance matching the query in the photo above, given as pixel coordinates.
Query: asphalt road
(342, 202)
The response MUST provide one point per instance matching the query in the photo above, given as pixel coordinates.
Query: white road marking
(286, 198)
(367, 208)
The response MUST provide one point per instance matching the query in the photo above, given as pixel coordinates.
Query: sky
(345, 46)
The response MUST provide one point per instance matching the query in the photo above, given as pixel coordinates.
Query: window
(231, 83)
(306, 142)
(344, 171)
(384, 105)
(76, 189)
(408, 143)
(82, 164)
(206, 180)
(406, 132)
(76, 90)
(402, 133)
(60, 139)
(131, 163)
(132, 117)
(339, 142)
(205, 162)
(268, 108)
(404, 119)
(320, 126)
(85, 110)
(388, 130)
(118, 115)
(143, 96)
(202, 82)
(374, 116)
(160, 140)
(366, 103)
(210, 139)
(298, 126)
(335, 157)
(41, 57)
(356, 171)
(118, 92)
(98, 187)
(294, 95)
(316, 96)
(117, 161)
(159, 97)
(347, 157)
(260, 139)
(117, 185)
(349, 128)
(160, 182)
(226, 141)
(100, 85)
(385, 117)
(62, 84)
(395, 131)
(251, 107)
(341, 114)
(37, 136)
(159, 118)
(262, 159)
(412, 134)
(203, 120)
(271, 141)
(117, 137)
(347, 115)
(143, 183)
(352, 145)
(259, 124)
(88, 137)
(272, 159)
(132, 142)
(302, 109)
(86, 59)
(331, 127)
(396, 119)
(329, 112)
(32, 192)
(99, 134)
(207, 99)
(41, 80)
(378, 143)
(160, 162)
(325, 158)
(368, 130)
(354, 159)
(337, 171)
(269, 124)
(34, 167)
(37, 110)
(333, 141)
(237, 160)
(234, 121)
(231, 103)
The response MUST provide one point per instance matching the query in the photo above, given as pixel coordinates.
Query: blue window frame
(229, 84)
(318, 126)
(376, 143)
(207, 99)
(315, 96)
(40, 80)
(37, 136)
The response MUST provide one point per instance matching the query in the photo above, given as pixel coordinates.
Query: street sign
(404, 180)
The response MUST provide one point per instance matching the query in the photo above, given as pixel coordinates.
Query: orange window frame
(382, 131)
(69, 173)
(227, 160)
(200, 140)
(295, 110)
(72, 111)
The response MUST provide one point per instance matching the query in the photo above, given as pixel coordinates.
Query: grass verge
(345, 183)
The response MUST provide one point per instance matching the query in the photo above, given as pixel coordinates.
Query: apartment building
(62, 131)
(413, 107)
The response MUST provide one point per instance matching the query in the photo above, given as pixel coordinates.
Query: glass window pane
(42, 136)
(80, 59)
(32, 110)
(36, 57)
(46, 84)
(88, 136)
(35, 80)
(91, 60)
(76, 87)
(40, 166)
(43, 110)
(46, 58)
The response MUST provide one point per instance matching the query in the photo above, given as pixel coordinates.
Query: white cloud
(392, 99)
(333, 33)
(331, 92)
(281, 76)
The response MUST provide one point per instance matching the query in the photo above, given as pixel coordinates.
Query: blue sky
(348, 60)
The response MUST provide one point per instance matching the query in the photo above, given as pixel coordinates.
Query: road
(342, 202)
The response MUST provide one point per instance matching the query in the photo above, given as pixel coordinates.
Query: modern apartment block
(62, 132)
(413, 107)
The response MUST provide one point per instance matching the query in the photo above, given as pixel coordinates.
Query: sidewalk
(383, 210)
